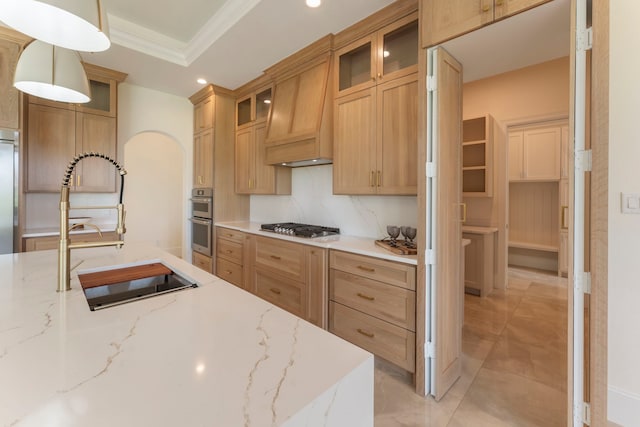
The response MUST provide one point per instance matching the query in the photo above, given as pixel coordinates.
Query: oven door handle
(200, 221)
(201, 199)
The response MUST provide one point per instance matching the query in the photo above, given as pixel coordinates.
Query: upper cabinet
(252, 173)
(535, 153)
(299, 126)
(10, 100)
(442, 20)
(477, 156)
(376, 118)
(389, 53)
(55, 132)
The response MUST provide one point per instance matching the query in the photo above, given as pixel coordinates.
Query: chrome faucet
(64, 249)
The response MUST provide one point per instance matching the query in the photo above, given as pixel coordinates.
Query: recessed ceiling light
(202, 81)
(313, 3)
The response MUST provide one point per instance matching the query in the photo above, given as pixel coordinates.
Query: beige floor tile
(547, 290)
(499, 398)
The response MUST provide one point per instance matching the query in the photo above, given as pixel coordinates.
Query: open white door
(444, 287)
(579, 276)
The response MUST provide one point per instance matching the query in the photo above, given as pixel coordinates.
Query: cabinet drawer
(397, 345)
(283, 292)
(390, 303)
(229, 271)
(201, 261)
(282, 257)
(229, 250)
(227, 233)
(393, 273)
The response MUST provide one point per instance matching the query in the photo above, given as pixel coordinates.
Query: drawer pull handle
(228, 271)
(275, 291)
(277, 258)
(370, 270)
(365, 333)
(367, 297)
(228, 251)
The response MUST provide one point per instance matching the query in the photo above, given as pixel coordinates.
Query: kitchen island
(214, 355)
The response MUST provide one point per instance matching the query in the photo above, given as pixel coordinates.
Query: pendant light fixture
(72, 24)
(52, 72)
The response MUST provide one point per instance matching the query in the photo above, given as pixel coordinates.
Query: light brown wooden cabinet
(252, 173)
(231, 255)
(203, 158)
(376, 141)
(201, 261)
(477, 156)
(376, 112)
(52, 242)
(442, 20)
(56, 132)
(479, 257)
(372, 304)
(535, 153)
(384, 55)
(291, 276)
(10, 99)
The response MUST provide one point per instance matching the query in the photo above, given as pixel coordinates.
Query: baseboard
(623, 407)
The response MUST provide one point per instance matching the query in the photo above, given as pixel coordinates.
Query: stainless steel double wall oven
(202, 220)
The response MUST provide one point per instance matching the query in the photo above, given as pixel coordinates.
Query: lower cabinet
(372, 303)
(201, 261)
(230, 255)
(30, 244)
(479, 255)
(291, 275)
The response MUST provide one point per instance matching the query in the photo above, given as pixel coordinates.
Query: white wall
(155, 179)
(624, 230)
(312, 202)
(145, 110)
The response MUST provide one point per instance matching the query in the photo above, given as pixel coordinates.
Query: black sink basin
(112, 294)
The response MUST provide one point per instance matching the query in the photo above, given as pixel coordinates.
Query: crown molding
(217, 25)
(144, 40)
(133, 36)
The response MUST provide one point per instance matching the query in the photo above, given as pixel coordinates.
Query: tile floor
(514, 363)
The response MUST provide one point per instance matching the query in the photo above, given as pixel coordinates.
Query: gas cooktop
(300, 230)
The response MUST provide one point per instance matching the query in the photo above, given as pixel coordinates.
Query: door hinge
(583, 160)
(429, 350)
(584, 40)
(429, 257)
(582, 413)
(431, 169)
(431, 83)
(582, 282)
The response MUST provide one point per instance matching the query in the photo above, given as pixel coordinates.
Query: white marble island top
(210, 356)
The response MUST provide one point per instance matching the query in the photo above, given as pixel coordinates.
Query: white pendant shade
(72, 24)
(52, 72)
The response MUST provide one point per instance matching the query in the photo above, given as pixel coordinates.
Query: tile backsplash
(312, 201)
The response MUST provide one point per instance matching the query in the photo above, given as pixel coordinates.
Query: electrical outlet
(630, 203)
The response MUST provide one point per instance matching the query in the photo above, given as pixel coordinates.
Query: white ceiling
(168, 45)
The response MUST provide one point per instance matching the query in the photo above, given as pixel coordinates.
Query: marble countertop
(358, 245)
(213, 355)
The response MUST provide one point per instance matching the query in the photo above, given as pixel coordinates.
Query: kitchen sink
(107, 288)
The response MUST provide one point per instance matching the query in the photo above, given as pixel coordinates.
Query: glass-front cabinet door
(253, 108)
(389, 53)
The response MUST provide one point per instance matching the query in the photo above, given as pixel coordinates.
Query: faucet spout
(65, 245)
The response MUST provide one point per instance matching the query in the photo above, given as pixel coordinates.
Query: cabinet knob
(380, 76)
(485, 8)
(275, 291)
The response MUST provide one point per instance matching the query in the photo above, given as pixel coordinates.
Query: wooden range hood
(300, 125)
